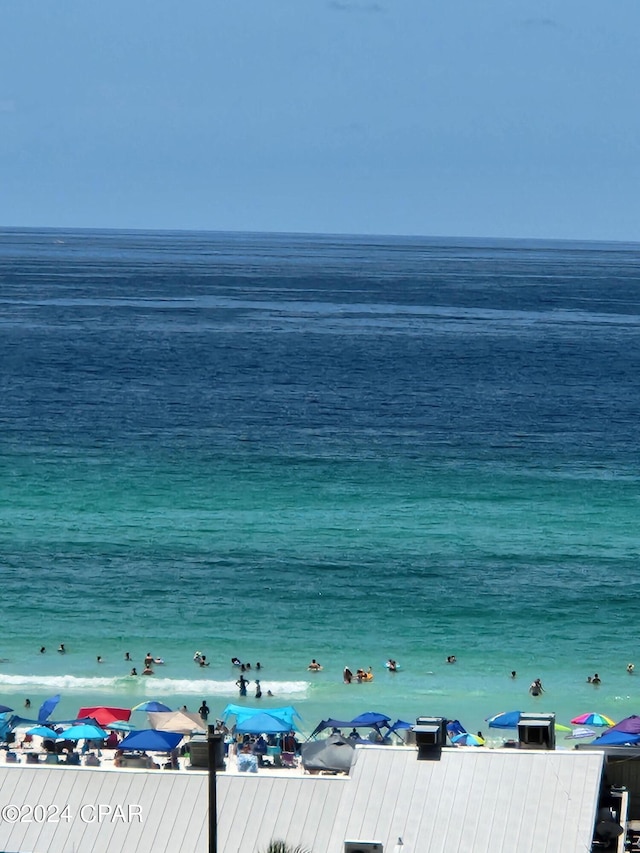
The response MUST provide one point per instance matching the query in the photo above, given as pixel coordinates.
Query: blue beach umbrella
(4, 709)
(84, 732)
(46, 709)
(120, 726)
(505, 720)
(43, 731)
(151, 706)
(467, 739)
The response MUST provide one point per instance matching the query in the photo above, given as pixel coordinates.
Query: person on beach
(536, 687)
(258, 690)
(242, 685)
(148, 660)
(203, 710)
(61, 649)
(42, 650)
(314, 666)
(596, 679)
(134, 671)
(127, 656)
(347, 675)
(630, 668)
(27, 703)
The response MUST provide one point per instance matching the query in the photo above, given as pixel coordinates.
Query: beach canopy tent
(151, 739)
(46, 709)
(286, 713)
(152, 705)
(5, 709)
(399, 725)
(264, 723)
(505, 720)
(103, 715)
(629, 724)
(176, 721)
(333, 753)
(370, 719)
(617, 738)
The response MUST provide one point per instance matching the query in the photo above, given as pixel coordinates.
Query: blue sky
(460, 118)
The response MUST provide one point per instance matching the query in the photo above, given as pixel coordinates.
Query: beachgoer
(148, 659)
(536, 687)
(197, 657)
(314, 666)
(258, 689)
(513, 673)
(347, 675)
(354, 733)
(127, 656)
(134, 671)
(596, 679)
(258, 665)
(203, 710)
(589, 679)
(247, 666)
(27, 703)
(204, 661)
(392, 666)
(242, 685)
(234, 661)
(61, 648)
(147, 671)
(243, 668)
(43, 650)
(184, 709)
(98, 659)
(269, 693)
(630, 668)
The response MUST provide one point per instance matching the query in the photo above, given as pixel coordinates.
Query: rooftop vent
(363, 847)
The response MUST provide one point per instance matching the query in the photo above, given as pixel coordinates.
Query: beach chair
(12, 758)
(288, 759)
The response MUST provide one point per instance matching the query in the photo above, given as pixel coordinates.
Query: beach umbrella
(103, 715)
(505, 720)
(455, 727)
(43, 731)
(4, 709)
(581, 732)
(467, 739)
(151, 739)
(120, 726)
(46, 709)
(593, 720)
(176, 721)
(84, 731)
(560, 728)
(151, 706)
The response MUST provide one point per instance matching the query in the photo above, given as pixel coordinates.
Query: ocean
(283, 447)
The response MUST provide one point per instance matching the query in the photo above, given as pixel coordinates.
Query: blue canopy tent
(152, 739)
(264, 723)
(616, 738)
(370, 719)
(241, 712)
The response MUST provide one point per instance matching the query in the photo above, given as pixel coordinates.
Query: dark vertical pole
(213, 742)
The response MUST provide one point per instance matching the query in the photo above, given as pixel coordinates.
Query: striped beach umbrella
(593, 719)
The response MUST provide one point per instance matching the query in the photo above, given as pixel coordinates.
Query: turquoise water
(283, 447)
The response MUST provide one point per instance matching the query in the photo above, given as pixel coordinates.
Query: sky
(500, 118)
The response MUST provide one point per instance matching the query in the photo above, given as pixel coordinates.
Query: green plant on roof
(283, 847)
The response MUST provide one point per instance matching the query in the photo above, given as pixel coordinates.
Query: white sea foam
(151, 685)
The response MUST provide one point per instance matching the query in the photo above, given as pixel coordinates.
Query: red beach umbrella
(103, 715)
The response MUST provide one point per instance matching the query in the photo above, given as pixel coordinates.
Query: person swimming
(630, 668)
(314, 666)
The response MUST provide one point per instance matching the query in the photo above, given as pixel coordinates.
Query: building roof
(474, 800)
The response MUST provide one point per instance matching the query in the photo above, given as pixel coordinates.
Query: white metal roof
(470, 801)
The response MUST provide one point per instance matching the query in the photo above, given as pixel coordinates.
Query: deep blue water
(286, 446)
